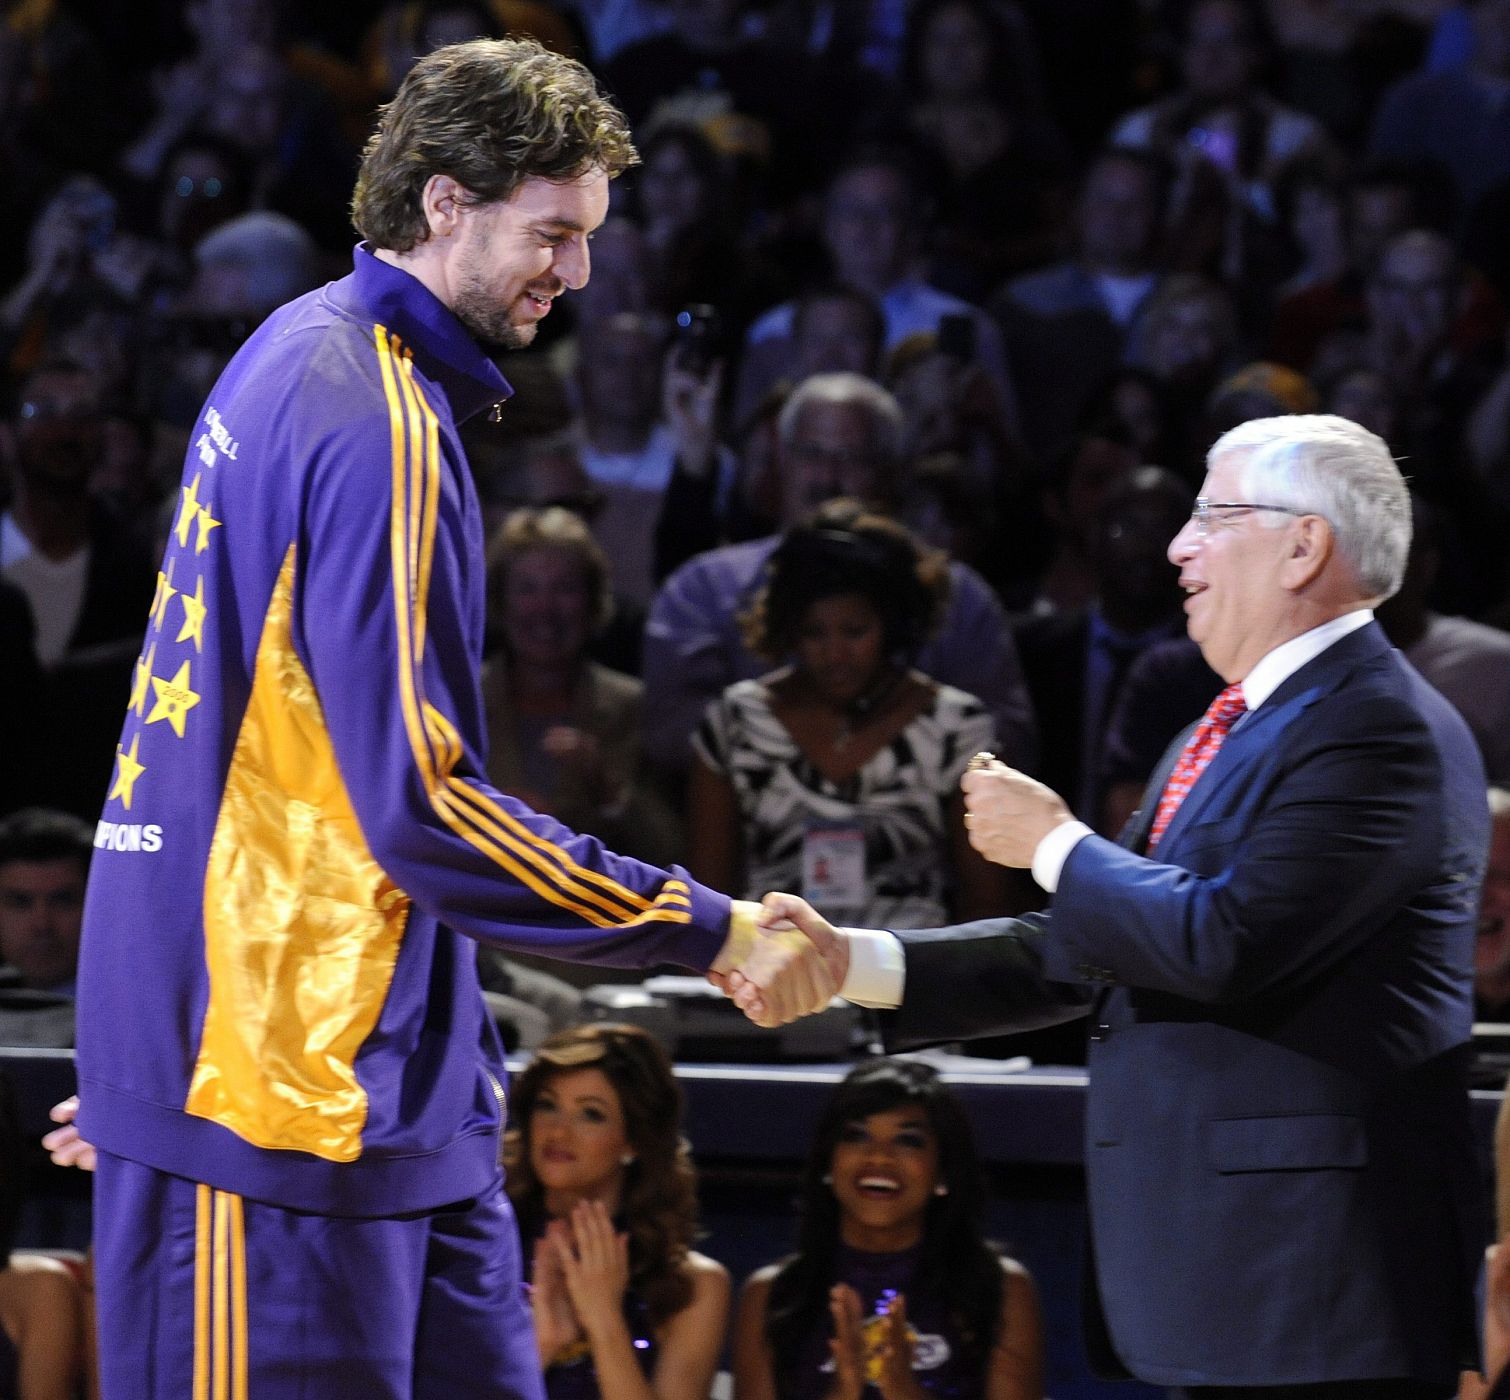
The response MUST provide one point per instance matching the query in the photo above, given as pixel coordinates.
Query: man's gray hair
(846, 387)
(1329, 466)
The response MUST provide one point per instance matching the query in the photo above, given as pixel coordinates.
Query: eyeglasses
(1201, 517)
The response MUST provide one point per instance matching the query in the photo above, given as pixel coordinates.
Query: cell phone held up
(696, 339)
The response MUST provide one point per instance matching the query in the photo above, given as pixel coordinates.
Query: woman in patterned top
(838, 775)
(893, 1290)
(606, 1195)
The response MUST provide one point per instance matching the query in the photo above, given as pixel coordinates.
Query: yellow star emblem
(143, 673)
(127, 771)
(165, 592)
(187, 511)
(194, 611)
(174, 699)
(207, 522)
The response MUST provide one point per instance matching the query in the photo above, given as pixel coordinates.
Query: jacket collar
(403, 305)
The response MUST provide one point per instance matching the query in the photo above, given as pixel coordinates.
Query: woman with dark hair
(839, 773)
(892, 1284)
(606, 1195)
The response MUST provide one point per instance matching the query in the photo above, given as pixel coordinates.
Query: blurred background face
(1118, 215)
(672, 188)
(547, 608)
(58, 431)
(833, 335)
(1189, 339)
(956, 52)
(620, 372)
(246, 102)
(1375, 214)
(577, 1135)
(832, 452)
(1414, 293)
(1130, 549)
(198, 193)
(41, 910)
(1218, 58)
(840, 647)
(1365, 398)
(868, 228)
(1097, 467)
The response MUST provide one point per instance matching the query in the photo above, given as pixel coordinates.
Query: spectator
(87, 584)
(249, 265)
(840, 435)
(1079, 482)
(1075, 662)
(892, 1284)
(687, 205)
(564, 731)
(606, 1194)
(1186, 336)
(995, 158)
(838, 773)
(648, 433)
(1220, 114)
(1381, 200)
(44, 861)
(1456, 116)
(875, 220)
(1066, 325)
(1491, 951)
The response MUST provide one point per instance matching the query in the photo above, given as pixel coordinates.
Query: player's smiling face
(510, 259)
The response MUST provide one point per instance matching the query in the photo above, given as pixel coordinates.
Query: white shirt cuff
(877, 968)
(1054, 850)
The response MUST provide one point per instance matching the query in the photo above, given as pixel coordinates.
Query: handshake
(781, 961)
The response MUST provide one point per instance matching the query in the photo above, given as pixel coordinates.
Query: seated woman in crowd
(564, 731)
(838, 774)
(606, 1195)
(892, 1285)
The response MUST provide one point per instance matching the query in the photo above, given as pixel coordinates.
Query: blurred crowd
(860, 451)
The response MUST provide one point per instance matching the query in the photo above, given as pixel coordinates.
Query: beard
(488, 322)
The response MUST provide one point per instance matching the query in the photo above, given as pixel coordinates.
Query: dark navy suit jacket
(1279, 1165)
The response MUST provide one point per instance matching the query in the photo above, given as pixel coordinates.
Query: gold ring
(984, 759)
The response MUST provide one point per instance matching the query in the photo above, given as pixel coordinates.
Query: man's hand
(776, 968)
(1008, 813)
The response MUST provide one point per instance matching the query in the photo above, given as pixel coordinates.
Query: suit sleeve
(978, 979)
(1348, 833)
(382, 624)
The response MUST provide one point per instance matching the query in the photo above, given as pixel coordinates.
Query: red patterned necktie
(1198, 752)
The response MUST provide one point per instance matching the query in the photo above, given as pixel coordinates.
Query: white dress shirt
(877, 967)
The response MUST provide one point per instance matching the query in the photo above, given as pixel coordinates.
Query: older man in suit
(1277, 957)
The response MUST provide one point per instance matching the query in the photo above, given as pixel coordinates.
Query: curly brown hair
(844, 547)
(659, 1205)
(491, 114)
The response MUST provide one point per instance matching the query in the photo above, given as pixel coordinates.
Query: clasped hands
(783, 960)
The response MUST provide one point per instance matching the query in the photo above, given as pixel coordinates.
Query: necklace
(859, 711)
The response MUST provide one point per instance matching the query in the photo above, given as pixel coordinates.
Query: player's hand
(774, 970)
(64, 1144)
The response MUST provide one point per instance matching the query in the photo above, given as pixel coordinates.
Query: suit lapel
(1256, 733)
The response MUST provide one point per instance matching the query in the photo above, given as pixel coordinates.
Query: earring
(941, 1190)
(627, 1159)
(828, 1178)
